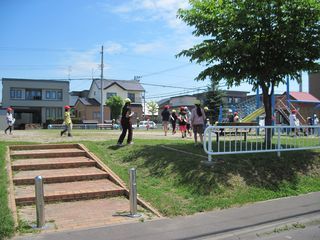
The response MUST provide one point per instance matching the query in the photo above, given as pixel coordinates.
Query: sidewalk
(221, 224)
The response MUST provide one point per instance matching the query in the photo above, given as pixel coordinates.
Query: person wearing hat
(126, 123)
(165, 119)
(183, 119)
(197, 120)
(67, 121)
(10, 120)
(236, 117)
(188, 120)
(173, 120)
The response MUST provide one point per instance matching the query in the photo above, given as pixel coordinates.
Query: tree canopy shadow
(263, 170)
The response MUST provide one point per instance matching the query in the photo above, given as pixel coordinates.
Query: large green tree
(153, 108)
(255, 41)
(115, 103)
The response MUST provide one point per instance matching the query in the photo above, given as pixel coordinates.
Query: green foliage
(115, 104)
(6, 220)
(213, 101)
(153, 108)
(259, 42)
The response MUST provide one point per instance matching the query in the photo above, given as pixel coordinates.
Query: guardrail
(223, 140)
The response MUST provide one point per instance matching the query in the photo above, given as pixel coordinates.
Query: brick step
(52, 163)
(47, 153)
(59, 175)
(44, 146)
(68, 191)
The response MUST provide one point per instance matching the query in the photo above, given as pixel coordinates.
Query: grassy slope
(179, 184)
(6, 220)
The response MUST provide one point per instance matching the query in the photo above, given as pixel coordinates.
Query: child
(67, 121)
(148, 124)
(173, 120)
(165, 119)
(183, 122)
(10, 120)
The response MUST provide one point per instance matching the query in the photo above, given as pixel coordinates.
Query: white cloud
(148, 47)
(113, 48)
(146, 10)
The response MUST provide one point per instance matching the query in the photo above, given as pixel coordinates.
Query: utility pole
(138, 78)
(101, 105)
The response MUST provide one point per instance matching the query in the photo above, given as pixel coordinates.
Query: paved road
(234, 223)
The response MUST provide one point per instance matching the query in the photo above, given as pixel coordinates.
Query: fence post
(279, 143)
(39, 194)
(133, 194)
(210, 145)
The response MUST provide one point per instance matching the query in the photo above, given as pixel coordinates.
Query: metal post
(210, 145)
(39, 201)
(288, 92)
(279, 143)
(133, 194)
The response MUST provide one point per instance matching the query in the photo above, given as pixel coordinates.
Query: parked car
(143, 125)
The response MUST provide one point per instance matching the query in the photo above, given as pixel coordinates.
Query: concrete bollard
(39, 201)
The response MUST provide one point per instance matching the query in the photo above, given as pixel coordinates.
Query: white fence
(221, 140)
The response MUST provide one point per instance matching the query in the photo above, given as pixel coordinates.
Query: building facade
(35, 101)
(314, 84)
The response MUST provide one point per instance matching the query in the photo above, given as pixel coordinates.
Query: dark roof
(89, 101)
(36, 80)
(83, 93)
(73, 100)
(133, 85)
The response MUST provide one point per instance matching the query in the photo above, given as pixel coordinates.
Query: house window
(96, 115)
(53, 113)
(33, 94)
(54, 94)
(131, 96)
(15, 93)
(230, 99)
(111, 94)
(237, 100)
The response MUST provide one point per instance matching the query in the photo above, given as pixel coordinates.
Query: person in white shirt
(316, 124)
(10, 120)
(294, 121)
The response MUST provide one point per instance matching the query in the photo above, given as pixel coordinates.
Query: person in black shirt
(173, 119)
(165, 118)
(126, 123)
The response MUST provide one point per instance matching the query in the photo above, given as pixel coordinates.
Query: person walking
(197, 120)
(182, 118)
(67, 121)
(294, 122)
(173, 120)
(188, 113)
(126, 123)
(10, 120)
(165, 119)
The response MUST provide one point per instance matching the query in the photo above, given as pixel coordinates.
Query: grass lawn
(179, 184)
(6, 220)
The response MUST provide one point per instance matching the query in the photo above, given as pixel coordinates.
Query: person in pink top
(197, 120)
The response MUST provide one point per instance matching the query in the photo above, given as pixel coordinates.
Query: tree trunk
(268, 118)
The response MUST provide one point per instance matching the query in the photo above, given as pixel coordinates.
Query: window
(53, 113)
(237, 100)
(96, 115)
(15, 93)
(54, 94)
(33, 94)
(111, 94)
(230, 100)
(131, 96)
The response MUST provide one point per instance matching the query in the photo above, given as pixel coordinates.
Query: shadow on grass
(264, 170)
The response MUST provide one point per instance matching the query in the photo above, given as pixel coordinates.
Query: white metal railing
(221, 140)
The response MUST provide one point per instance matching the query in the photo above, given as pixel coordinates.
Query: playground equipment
(252, 116)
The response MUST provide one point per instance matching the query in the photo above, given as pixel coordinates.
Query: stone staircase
(70, 173)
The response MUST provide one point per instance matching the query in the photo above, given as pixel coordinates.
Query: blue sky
(54, 39)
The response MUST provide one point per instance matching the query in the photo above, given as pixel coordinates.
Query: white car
(143, 125)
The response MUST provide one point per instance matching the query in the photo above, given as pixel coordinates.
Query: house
(124, 88)
(35, 101)
(89, 109)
